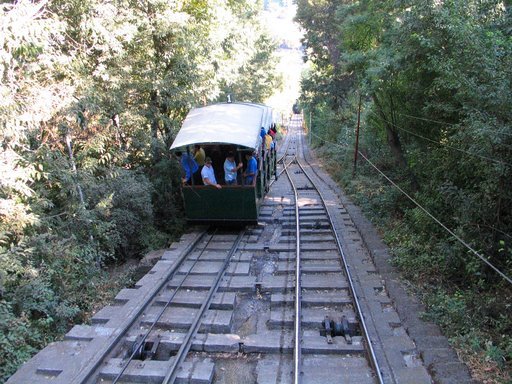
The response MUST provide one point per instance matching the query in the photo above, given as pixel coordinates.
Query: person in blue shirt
(188, 165)
(263, 132)
(231, 169)
(251, 170)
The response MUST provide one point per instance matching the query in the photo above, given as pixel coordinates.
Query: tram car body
(220, 129)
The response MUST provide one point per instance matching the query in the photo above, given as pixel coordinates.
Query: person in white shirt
(208, 174)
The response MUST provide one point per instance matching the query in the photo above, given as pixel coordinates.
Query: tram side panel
(227, 204)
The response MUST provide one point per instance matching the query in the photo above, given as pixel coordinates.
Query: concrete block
(312, 344)
(413, 375)
(311, 318)
(192, 282)
(277, 283)
(87, 332)
(331, 369)
(225, 300)
(315, 255)
(312, 298)
(179, 318)
(225, 343)
(324, 281)
(272, 370)
(238, 284)
(152, 371)
(268, 342)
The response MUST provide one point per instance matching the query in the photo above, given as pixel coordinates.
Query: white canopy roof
(230, 123)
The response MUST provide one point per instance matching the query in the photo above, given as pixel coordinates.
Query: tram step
(310, 266)
(217, 245)
(290, 246)
(312, 299)
(213, 267)
(283, 283)
(170, 342)
(311, 317)
(178, 318)
(228, 284)
(316, 370)
(308, 225)
(310, 255)
(216, 256)
(226, 300)
(312, 342)
(310, 238)
(198, 371)
(307, 232)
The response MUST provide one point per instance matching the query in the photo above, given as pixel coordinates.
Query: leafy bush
(18, 340)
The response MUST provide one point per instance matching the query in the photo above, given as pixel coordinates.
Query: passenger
(188, 165)
(268, 141)
(208, 174)
(273, 131)
(199, 155)
(263, 132)
(251, 170)
(231, 169)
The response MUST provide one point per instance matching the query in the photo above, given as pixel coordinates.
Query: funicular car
(220, 129)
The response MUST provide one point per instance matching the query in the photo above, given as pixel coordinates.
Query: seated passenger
(251, 170)
(231, 169)
(208, 174)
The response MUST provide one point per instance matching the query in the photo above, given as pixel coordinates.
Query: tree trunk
(392, 134)
(154, 112)
(394, 140)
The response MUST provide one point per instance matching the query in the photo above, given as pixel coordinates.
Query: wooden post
(356, 149)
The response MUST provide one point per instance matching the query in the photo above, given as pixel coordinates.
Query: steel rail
(372, 356)
(86, 375)
(180, 356)
(297, 348)
(153, 324)
(285, 166)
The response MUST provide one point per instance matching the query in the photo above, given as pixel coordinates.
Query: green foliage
(93, 94)
(18, 340)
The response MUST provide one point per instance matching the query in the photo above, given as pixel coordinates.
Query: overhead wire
(441, 144)
(469, 247)
(443, 122)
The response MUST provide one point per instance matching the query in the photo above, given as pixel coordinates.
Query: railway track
(294, 299)
(343, 325)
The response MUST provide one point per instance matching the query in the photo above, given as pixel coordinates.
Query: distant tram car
(220, 129)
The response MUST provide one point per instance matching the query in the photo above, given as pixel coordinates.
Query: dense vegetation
(91, 96)
(434, 80)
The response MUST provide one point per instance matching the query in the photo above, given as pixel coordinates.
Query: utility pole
(310, 130)
(356, 149)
